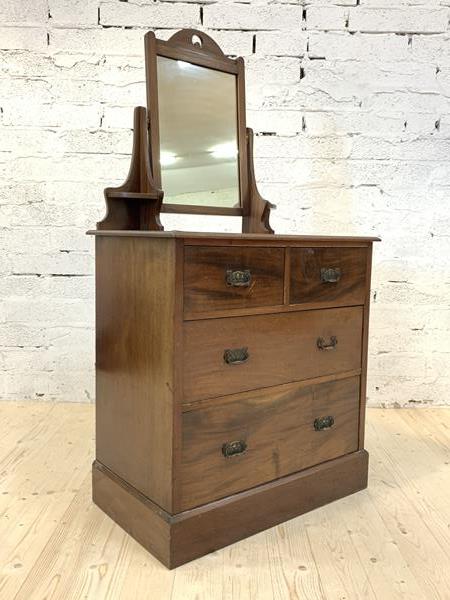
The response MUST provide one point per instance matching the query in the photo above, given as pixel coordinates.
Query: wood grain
(224, 239)
(60, 545)
(365, 349)
(307, 286)
(135, 368)
(254, 510)
(206, 288)
(277, 424)
(282, 348)
(180, 538)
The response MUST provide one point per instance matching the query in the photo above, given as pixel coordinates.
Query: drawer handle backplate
(236, 356)
(322, 345)
(234, 448)
(323, 423)
(330, 275)
(238, 278)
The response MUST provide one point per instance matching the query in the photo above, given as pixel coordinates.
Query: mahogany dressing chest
(230, 368)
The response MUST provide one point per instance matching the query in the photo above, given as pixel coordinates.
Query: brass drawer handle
(236, 356)
(234, 448)
(322, 345)
(238, 278)
(330, 275)
(323, 423)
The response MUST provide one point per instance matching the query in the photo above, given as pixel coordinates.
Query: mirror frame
(181, 47)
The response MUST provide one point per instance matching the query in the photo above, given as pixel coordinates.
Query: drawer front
(264, 435)
(234, 354)
(220, 278)
(328, 275)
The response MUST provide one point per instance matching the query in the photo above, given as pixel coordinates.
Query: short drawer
(328, 275)
(222, 278)
(266, 434)
(229, 355)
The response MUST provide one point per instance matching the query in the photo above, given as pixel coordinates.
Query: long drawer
(235, 354)
(265, 434)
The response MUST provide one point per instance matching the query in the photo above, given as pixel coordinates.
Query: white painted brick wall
(350, 102)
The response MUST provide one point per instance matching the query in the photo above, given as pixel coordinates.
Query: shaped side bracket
(136, 204)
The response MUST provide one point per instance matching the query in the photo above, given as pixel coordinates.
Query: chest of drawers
(231, 375)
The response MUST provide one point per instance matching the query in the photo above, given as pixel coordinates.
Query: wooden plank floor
(390, 541)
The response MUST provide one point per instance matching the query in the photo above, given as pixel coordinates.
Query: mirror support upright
(257, 219)
(136, 204)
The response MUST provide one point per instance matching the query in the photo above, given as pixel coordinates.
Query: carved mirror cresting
(192, 152)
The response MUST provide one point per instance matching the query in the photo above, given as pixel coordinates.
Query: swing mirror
(195, 96)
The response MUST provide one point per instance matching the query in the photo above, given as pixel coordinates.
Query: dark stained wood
(183, 38)
(205, 285)
(180, 538)
(282, 348)
(193, 238)
(139, 516)
(277, 424)
(135, 204)
(307, 286)
(167, 400)
(265, 310)
(181, 47)
(256, 217)
(136, 362)
(230, 398)
(364, 351)
(178, 370)
(287, 275)
(195, 209)
(215, 525)
(245, 158)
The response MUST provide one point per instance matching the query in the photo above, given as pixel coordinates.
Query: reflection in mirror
(198, 134)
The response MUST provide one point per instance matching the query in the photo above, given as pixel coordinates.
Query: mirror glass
(198, 134)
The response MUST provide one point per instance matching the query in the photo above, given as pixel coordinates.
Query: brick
(301, 146)
(411, 20)
(356, 122)
(271, 43)
(344, 46)
(406, 102)
(23, 38)
(98, 41)
(64, 313)
(117, 116)
(323, 3)
(63, 114)
(272, 70)
(431, 49)
(149, 14)
(75, 287)
(426, 149)
(24, 12)
(327, 18)
(73, 12)
(283, 122)
(248, 17)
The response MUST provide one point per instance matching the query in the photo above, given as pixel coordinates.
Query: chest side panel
(135, 281)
